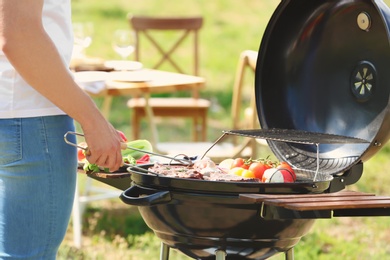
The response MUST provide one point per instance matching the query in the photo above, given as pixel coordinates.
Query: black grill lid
(323, 67)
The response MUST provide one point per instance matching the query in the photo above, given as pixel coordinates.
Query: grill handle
(141, 196)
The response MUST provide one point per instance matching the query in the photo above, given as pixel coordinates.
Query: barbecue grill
(322, 94)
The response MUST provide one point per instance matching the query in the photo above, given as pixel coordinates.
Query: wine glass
(82, 36)
(123, 42)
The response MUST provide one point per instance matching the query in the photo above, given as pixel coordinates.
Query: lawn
(113, 230)
(227, 31)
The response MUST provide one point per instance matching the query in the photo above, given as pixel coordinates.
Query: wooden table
(147, 82)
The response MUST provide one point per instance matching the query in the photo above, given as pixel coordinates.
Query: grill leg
(220, 255)
(164, 253)
(289, 254)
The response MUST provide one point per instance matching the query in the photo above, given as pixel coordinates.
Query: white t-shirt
(17, 98)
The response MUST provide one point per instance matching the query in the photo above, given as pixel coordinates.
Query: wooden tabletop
(148, 81)
(144, 82)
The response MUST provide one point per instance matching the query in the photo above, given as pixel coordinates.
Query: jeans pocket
(10, 141)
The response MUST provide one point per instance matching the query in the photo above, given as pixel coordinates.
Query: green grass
(113, 230)
(227, 31)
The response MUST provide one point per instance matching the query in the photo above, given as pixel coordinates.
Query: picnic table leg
(152, 124)
(106, 106)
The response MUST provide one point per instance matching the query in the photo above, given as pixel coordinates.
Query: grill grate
(296, 136)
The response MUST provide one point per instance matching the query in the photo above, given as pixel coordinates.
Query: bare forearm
(35, 57)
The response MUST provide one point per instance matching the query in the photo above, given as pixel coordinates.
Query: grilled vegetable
(129, 160)
(144, 159)
(92, 168)
(139, 144)
(122, 135)
(129, 156)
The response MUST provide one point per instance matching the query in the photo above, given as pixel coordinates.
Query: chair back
(247, 62)
(184, 28)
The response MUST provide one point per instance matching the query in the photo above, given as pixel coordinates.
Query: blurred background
(113, 230)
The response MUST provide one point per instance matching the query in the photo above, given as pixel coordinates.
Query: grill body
(199, 224)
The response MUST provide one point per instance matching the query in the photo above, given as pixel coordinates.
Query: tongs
(185, 160)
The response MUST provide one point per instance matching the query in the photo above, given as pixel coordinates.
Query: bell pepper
(122, 135)
(139, 144)
(144, 159)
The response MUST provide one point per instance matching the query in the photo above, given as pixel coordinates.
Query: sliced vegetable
(129, 159)
(129, 156)
(138, 144)
(122, 135)
(92, 168)
(144, 159)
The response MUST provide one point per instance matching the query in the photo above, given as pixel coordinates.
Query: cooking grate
(294, 136)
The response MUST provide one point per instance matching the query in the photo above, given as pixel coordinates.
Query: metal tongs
(185, 160)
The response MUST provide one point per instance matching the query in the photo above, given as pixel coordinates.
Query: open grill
(322, 94)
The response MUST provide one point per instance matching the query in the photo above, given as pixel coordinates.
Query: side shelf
(326, 205)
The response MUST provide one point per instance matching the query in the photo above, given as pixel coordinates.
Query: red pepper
(122, 135)
(144, 159)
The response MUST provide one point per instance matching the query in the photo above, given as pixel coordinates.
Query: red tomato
(81, 152)
(240, 162)
(285, 165)
(287, 171)
(122, 135)
(288, 176)
(80, 155)
(258, 169)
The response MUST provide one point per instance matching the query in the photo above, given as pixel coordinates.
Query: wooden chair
(183, 28)
(243, 117)
(249, 120)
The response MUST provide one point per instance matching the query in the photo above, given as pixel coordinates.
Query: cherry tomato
(236, 170)
(80, 155)
(240, 162)
(287, 171)
(248, 174)
(285, 165)
(258, 169)
(288, 177)
(81, 152)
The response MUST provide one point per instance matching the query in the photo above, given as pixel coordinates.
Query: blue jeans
(37, 184)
